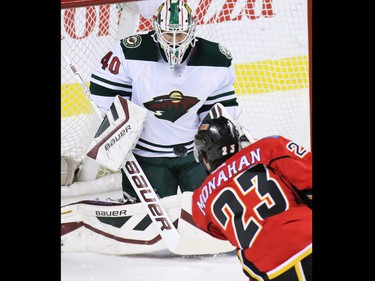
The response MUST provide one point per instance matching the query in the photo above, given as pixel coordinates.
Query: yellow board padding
(272, 75)
(74, 100)
(283, 74)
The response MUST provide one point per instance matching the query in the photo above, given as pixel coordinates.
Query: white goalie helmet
(174, 23)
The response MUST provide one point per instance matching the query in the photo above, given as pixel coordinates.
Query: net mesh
(268, 41)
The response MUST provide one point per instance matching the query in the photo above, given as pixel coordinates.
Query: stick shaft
(151, 202)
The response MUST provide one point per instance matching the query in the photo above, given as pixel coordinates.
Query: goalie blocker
(118, 133)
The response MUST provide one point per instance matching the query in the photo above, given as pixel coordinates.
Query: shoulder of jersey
(274, 142)
(139, 47)
(210, 53)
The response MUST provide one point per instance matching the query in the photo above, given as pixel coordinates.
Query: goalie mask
(174, 25)
(216, 141)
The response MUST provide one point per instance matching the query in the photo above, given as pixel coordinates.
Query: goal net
(268, 41)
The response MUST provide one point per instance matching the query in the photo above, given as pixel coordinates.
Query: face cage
(174, 51)
(200, 155)
(201, 159)
(198, 145)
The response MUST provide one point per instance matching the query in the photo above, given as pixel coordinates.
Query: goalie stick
(130, 166)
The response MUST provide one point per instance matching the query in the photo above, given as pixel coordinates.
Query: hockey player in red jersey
(259, 198)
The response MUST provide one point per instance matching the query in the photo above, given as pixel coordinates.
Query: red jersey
(256, 201)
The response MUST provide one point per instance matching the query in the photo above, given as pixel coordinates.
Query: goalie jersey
(260, 200)
(176, 99)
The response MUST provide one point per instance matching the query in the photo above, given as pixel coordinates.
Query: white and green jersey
(177, 99)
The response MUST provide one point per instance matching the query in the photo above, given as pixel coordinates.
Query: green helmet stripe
(174, 15)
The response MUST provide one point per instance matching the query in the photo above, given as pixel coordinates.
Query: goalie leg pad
(121, 229)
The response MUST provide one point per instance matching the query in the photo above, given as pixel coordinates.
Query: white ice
(152, 267)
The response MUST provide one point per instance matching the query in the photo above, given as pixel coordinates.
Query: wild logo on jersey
(171, 107)
(132, 41)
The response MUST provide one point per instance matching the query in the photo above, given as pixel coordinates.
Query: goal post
(268, 39)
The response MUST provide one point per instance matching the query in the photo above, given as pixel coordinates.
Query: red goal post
(67, 4)
(269, 41)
